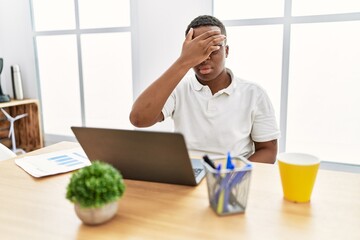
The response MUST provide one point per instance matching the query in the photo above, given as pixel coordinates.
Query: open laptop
(142, 155)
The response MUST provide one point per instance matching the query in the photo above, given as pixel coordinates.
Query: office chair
(6, 153)
(12, 130)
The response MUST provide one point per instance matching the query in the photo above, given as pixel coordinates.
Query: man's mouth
(205, 69)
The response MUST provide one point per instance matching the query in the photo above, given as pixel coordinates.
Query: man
(215, 111)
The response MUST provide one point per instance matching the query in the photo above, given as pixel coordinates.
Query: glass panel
(104, 13)
(324, 100)
(243, 9)
(58, 69)
(107, 79)
(54, 14)
(255, 54)
(317, 7)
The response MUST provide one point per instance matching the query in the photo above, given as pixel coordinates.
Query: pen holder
(228, 189)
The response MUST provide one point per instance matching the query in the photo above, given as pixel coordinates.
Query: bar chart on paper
(67, 160)
(54, 163)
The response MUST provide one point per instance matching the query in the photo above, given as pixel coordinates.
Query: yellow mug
(298, 173)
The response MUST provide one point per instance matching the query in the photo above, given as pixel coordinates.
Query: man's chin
(204, 78)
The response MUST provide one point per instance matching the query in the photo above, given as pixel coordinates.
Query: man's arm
(146, 110)
(265, 152)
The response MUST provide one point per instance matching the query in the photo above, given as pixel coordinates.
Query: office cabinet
(28, 132)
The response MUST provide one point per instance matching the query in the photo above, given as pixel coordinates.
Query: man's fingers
(212, 49)
(208, 34)
(190, 34)
(199, 48)
(210, 38)
(215, 40)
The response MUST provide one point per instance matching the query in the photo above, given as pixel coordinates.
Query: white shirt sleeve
(264, 126)
(169, 106)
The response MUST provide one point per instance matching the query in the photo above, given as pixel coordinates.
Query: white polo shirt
(229, 120)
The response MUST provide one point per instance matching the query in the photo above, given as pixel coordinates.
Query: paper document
(54, 163)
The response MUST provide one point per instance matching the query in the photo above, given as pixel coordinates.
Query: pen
(235, 182)
(208, 161)
(226, 190)
(223, 199)
(239, 175)
(229, 164)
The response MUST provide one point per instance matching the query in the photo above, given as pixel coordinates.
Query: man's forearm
(263, 156)
(265, 152)
(147, 107)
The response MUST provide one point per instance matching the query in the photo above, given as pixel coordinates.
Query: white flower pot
(94, 216)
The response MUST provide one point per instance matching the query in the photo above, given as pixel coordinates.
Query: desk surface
(33, 208)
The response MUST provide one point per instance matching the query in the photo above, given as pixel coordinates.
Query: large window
(306, 54)
(255, 54)
(83, 52)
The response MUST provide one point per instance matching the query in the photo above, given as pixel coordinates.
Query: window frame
(78, 32)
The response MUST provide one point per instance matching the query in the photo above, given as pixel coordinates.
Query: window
(104, 13)
(316, 7)
(323, 102)
(49, 15)
(309, 67)
(107, 85)
(59, 74)
(244, 9)
(83, 50)
(259, 46)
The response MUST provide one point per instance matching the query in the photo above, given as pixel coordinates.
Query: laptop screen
(141, 155)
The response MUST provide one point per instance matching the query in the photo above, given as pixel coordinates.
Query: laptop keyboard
(197, 171)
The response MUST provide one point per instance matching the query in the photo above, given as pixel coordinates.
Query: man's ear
(226, 51)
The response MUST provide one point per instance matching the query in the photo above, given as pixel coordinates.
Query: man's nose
(208, 58)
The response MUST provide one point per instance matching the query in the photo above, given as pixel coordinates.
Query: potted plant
(95, 191)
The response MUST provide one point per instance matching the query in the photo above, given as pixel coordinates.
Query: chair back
(6, 153)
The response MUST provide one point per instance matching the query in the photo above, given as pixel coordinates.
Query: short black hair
(206, 20)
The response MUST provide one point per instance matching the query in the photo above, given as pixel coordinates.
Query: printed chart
(54, 163)
(67, 160)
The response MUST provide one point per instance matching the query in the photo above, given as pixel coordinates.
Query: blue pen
(229, 164)
(236, 180)
(220, 193)
(238, 177)
(218, 168)
(223, 199)
(224, 188)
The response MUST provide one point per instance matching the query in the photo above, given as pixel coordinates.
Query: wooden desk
(37, 209)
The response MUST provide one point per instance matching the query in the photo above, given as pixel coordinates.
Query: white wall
(16, 45)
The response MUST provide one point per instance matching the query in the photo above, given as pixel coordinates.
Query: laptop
(142, 155)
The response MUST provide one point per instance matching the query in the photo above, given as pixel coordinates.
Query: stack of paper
(54, 163)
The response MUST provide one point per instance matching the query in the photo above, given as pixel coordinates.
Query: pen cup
(228, 189)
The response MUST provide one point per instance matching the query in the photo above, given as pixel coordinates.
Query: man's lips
(205, 69)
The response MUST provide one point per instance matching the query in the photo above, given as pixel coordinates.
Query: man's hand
(198, 49)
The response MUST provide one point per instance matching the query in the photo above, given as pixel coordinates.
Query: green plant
(95, 185)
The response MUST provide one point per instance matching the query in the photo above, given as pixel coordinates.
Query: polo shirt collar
(197, 86)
